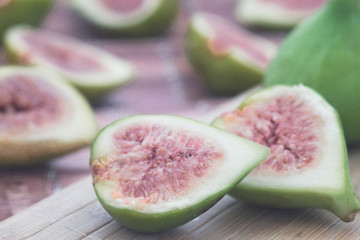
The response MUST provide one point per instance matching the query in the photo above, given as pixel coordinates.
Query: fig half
(275, 13)
(308, 164)
(93, 71)
(41, 116)
(129, 18)
(155, 172)
(14, 12)
(229, 58)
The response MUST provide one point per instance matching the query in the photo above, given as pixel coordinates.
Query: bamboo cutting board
(74, 213)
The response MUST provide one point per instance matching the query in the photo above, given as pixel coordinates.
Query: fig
(14, 12)
(41, 116)
(308, 164)
(323, 53)
(129, 18)
(156, 172)
(229, 58)
(93, 71)
(275, 13)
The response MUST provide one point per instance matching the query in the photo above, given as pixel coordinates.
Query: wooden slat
(49, 211)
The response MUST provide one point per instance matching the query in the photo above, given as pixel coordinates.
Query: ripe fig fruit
(129, 18)
(41, 116)
(14, 12)
(323, 53)
(93, 71)
(156, 172)
(275, 13)
(229, 58)
(308, 164)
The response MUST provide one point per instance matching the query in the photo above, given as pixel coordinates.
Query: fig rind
(343, 204)
(169, 218)
(251, 12)
(223, 75)
(143, 222)
(155, 24)
(44, 144)
(342, 201)
(23, 12)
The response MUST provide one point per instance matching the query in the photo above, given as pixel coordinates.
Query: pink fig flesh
(122, 6)
(153, 163)
(227, 35)
(59, 53)
(287, 125)
(27, 102)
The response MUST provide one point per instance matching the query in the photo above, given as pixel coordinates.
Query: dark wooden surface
(165, 84)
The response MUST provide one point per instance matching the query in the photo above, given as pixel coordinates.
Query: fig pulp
(41, 117)
(155, 172)
(13, 12)
(129, 18)
(230, 59)
(308, 163)
(275, 13)
(93, 71)
(323, 53)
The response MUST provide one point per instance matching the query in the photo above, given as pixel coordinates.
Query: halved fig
(93, 71)
(129, 18)
(41, 116)
(275, 13)
(308, 164)
(229, 58)
(14, 12)
(155, 172)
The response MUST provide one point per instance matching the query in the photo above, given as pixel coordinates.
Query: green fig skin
(95, 93)
(156, 24)
(42, 152)
(222, 75)
(162, 221)
(23, 12)
(343, 203)
(323, 53)
(158, 222)
(272, 17)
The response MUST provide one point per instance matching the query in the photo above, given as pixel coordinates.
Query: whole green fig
(323, 52)
(13, 12)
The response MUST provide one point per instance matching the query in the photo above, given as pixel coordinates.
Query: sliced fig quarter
(275, 13)
(14, 12)
(308, 164)
(41, 117)
(156, 172)
(93, 71)
(229, 58)
(129, 18)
